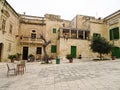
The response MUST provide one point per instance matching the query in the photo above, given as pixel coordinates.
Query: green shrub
(69, 56)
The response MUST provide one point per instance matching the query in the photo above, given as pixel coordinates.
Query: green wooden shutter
(111, 34)
(53, 49)
(116, 33)
(116, 52)
(54, 30)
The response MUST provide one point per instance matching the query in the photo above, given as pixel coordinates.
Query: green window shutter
(54, 30)
(116, 33)
(53, 49)
(111, 34)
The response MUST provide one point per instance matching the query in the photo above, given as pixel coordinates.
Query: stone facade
(29, 35)
(9, 25)
(20, 33)
(113, 21)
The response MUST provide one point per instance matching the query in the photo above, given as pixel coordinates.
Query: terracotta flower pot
(113, 57)
(12, 60)
(71, 60)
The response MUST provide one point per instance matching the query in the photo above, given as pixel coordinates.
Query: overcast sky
(67, 9)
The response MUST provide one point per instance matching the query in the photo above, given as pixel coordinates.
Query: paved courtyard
(80, 75)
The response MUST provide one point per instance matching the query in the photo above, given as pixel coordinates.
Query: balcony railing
(31, 40)
(74, 34)
(32, 20)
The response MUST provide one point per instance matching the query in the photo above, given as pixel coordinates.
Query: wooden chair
(11, 68)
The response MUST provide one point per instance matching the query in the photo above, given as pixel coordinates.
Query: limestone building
(9, 26)
(20, 33)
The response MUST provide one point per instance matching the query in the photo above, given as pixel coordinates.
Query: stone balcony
(29, 40)
(73, 33)
(32, 20)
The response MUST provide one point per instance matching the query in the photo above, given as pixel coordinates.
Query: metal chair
(21, 67)
(11, 68)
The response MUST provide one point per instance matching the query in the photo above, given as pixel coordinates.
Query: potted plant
(18, 56)
(113, 57)
(31, 57)
(12, 58)
(69, 57)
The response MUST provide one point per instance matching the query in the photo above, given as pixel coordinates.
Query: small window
(33, 35)
(3, 24)
(114, 33)
(54, 30)
(11, 27)
(53, 49)
(39, 50)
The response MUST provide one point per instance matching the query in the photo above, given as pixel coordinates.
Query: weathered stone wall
(22, 26)
(8, 39)
(50, 24)
(29, 25)
(98, 28)
(112, 22)
(82, 47)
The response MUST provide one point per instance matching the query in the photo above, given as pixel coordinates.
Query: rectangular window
(53, 49)
(54, 30)
(39, 50)
(114, 33)
(11, 27)
(33, 35)
(3, 24)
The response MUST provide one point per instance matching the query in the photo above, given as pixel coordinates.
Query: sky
(67, 9)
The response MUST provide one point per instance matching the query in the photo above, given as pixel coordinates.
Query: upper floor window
(80, 34)
(39, 50)
(33, 35)
(73, 33)
(3, 24)
(114, 33)
(11, 28)
(54, 30)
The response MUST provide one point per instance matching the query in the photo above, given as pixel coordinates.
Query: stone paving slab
(80, 75)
